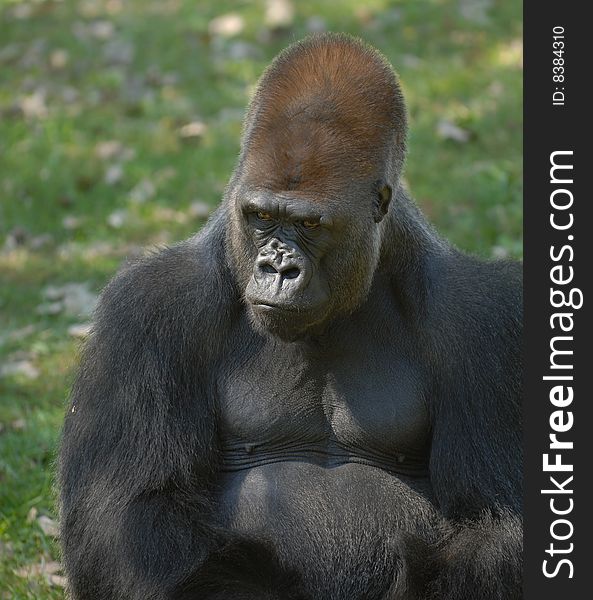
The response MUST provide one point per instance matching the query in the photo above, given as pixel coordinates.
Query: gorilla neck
(409, 246)
(406, 233)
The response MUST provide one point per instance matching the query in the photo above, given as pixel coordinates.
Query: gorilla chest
(360, 408)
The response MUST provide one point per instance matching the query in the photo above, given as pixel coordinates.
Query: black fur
(179, 373)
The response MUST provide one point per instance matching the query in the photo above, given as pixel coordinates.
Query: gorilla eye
(264, 216)
(310, 224)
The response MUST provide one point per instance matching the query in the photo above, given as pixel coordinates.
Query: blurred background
(119, 127)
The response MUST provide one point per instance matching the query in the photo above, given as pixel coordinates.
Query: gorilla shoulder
(176, 296)
(492, 290)
(479, 319)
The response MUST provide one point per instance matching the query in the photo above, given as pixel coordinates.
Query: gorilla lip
(272, 307)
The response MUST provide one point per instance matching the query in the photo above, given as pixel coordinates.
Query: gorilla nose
(281, 269)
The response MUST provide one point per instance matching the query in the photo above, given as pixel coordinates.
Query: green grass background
(75, 75)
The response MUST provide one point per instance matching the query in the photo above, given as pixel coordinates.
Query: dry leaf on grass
(42, 568)
(450, 131)
(57, 581)
(80, 330)
(226, 25)
(48, 526)
(24, 368)
(279, 14)
(75, 299)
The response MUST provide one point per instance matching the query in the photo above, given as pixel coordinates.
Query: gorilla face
(309, 261)
(288, 290)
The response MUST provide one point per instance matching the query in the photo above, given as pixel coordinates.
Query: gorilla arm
(138, 444)
(476, 458)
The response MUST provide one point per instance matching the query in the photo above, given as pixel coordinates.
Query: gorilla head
(321, 153)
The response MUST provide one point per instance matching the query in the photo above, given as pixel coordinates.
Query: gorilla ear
(382, 200)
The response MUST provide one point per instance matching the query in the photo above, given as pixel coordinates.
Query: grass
(93, 96)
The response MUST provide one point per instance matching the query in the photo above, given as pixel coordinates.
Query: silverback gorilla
(316, 397)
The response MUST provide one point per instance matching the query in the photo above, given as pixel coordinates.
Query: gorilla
(316, 397)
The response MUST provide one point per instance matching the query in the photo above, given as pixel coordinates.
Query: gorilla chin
(290, 309)
(289, 323)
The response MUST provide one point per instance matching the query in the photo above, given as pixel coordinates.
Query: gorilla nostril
(291, 273)
(268, 268)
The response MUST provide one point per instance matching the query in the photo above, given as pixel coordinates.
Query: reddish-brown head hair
(328, 111)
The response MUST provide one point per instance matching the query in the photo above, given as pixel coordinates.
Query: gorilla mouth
(288, 322)
(269, 307)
